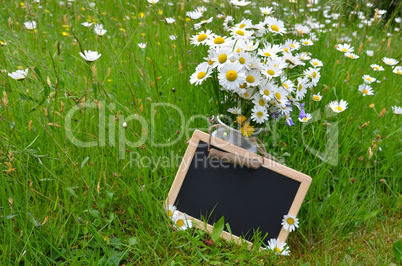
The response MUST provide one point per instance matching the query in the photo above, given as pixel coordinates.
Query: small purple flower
(302, 112)
(289, 122)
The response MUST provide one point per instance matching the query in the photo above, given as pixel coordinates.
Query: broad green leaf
(218, 229)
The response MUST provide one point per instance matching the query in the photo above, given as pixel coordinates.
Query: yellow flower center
(170, 213)
(210, 62)
(286, 49)
(368, 79)
(267, 54)
(285, 85)
(338, 108)
(306, 42)
(265, 12)
(242, 60)
(180, 222)
(261, 102)
(344, 50)
(351, 56)
(219, 40)
(314, 74)
(201, 37)
(242, 26)
(242, 86)
(246, 95)
(316, 98)
(315, 63)
(240, 32)
(292, 45)
(365, 91)
(275, 28)
(276, 249)
(377, 68)
(231, 75)
(300, 87)
(266, 92)
(222, 58)
(260, 114)
(201, 75)
(399, 72)
(291, 220)
(271, 72)
(278, 96)
(250, 79)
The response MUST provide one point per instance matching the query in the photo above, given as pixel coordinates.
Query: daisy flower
(239, 33)
(281, 248)
(317, 97)
(389, 61)
(153, 1)
(366, 89)
(182, 222)
(172, 37)
(304, 119)
(239, 2)
(202, 72)
(142, 45)
(306, 42)
(194, 14)
(266, 10)
(247, 130)
(253, 78)
(201, 38)
(397, 70)
(19, 74)
(170, 20)
(244, 59)
(271, 70)
(338, 107)
(171, 211)
(377, 67)
(231, 76)
(219, 41)
(304, 56)
(86, 24)
(90, 56)
(260, 101)
(235, 110)
(289, 221)
(259, 114)
(201, 9)
(275, 26)
(281, 95)
(30, 25)
(345, 48)
(244, 24)
(267, 90)
(370, 53)
(397, 110)
(351, 55)
(3, 43)
(292, 44)
(221, 56)
(302, 29)
(313, 74)
(270, 51)
(99, 30)
(368, 80)
(302, 85)
(316, 62)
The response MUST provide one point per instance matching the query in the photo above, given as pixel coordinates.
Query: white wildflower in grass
(368, 79)
(305, 119)
(303, 56)
(218, 41)
(90, 56)
(279, 248)
(302, 29)
(239, 2)
(19, 74)
(316, 62)
(231, 76)
(266, 10)
(338, 107)
(194, 14)
(221, 56)
(172, 37)
(351, 55)
(260, 101)
(86, 24)
(398, 70)
(152, 2)
(259, 114)
(289, 221)
(142, 45)
(99, 30)
(253, 78)
(171, 211)
(235, 110)
(275, 26)
(389, 61)
(202, 9)
(370, 53)
(201, 38)
(377, 67)
(346, 47)
(270, 51)
(30, 25)
(272, 70)
(306, 42)
(3, 43)
(366, 89)
(317, 97)
(397, 110)
(170, 20)
(202, 72)
(182, 222)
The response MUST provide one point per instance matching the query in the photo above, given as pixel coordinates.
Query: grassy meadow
(94, 204)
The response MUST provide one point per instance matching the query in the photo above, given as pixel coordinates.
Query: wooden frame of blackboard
(198, 136)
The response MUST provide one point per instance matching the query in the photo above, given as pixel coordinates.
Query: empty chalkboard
(248, 199)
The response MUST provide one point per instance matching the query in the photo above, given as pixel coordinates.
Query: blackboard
(248, 199)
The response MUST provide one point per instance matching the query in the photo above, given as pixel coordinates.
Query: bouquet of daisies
(261, 74)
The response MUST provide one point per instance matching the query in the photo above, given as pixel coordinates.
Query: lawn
(81, 176)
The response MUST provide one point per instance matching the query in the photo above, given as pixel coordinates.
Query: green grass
(65, 204)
